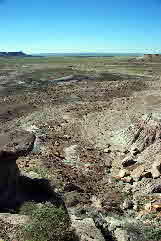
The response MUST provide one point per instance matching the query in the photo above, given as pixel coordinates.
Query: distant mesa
(13, 54)
(152, 57)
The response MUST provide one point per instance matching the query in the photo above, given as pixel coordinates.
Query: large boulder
(124, 228)
(86, 229)
(15, 144)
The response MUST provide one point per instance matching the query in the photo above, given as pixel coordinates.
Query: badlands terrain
(80, 149)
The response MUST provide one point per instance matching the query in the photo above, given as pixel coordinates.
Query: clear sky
(37, 26)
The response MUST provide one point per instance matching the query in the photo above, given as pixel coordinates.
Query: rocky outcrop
(15, 144)
(142, 143)
(141, 134)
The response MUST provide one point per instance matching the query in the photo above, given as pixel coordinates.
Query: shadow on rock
(30, 190)
(38, 190)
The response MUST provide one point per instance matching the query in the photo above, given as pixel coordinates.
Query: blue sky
(37, 26)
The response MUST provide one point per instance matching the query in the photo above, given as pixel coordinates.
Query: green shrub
(153, 233)
(27, 208)
(47, 224)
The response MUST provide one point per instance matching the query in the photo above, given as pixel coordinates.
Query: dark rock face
(8, 185)
(12, 145)
(15, 188)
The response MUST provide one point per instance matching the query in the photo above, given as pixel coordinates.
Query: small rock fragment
(128, 204)
(71, 154)
(123, 173)
(128, 161)
(156, 169)
(127, 179)
(134, 151)
(108, 162)
(106, 150)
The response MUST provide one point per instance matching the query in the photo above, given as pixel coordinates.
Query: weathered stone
(71, 154)
(123, 228)
(15, 144)
(121, 235)
(86, 229)
(141, 134)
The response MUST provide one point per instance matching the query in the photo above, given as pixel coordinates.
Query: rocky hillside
(81, 160)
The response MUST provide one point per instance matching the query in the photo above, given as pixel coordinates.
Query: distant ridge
(13, 54)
